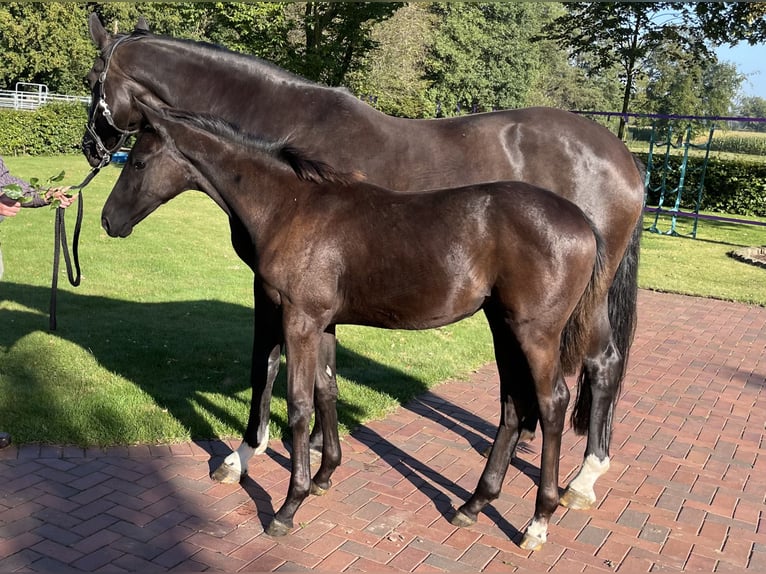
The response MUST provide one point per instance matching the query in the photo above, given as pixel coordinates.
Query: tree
(481, 58)
(335, 37)
(392, 77)
(625, 34)
(753, 107)
(44, 43)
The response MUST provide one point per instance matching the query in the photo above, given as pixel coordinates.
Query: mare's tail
(623, 302)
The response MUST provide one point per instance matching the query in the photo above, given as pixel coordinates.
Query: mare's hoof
(278, 528)
(227, 474)
(462, 520)
(317, 490)
(575, 500)
(530, 542)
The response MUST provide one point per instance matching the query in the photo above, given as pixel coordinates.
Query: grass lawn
(154, 345)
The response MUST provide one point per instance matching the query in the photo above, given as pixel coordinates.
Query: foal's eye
(138, 164)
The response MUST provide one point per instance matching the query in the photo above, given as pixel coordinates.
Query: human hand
(59, 196)
(8, 206)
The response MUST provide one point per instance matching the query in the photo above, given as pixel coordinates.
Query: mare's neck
(243, 90)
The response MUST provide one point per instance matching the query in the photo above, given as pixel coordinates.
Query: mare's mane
(283, 151)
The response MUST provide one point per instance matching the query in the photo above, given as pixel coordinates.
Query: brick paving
(685, 491)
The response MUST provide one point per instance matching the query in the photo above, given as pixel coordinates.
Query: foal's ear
(142, 25)
(98, 33)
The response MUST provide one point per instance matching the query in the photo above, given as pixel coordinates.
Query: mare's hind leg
(325, 413)
(598, 391)
(325, 368)
(267, 343)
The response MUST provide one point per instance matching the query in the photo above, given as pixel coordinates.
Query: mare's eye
(138, 164)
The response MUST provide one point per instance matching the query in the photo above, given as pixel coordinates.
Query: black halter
(104, 153)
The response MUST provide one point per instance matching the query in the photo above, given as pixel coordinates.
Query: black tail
(623, 303)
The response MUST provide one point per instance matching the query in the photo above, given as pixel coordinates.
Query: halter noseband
(104, 153)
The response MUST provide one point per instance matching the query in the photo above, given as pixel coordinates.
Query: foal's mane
(283, 152)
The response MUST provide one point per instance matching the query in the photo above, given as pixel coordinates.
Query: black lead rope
(60, 244)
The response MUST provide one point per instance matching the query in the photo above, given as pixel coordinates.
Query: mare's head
(112, 116)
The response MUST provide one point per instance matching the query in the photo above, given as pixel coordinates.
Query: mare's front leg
(267, 347)
(598, 391)
(326, 414)
(302, 339)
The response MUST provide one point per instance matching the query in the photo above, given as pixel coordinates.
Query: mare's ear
(98, 33)
(141, 24)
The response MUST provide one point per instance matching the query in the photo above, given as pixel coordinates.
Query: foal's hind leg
(326, 414)
(598, 390)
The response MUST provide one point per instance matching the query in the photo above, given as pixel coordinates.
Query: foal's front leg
(302, 348)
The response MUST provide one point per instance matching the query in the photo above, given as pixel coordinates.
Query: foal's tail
(575, 336)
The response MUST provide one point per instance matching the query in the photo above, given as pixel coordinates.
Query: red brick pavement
(685, 491)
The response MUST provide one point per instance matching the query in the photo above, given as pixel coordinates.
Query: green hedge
(734, 186)
(56, 128)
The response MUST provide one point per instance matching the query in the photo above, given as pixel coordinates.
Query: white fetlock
(535, 536)
(580, 493)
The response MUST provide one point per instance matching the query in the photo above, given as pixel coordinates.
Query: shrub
(55, 128)
(735, 186)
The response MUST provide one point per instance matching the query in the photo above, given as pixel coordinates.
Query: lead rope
(60, 243)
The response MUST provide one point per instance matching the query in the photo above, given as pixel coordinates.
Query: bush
(56, 128)
(734, 186)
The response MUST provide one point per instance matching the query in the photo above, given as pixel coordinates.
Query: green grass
(154, 346)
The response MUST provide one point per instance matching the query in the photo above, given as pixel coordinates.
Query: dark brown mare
(553, 149)
(331, 249)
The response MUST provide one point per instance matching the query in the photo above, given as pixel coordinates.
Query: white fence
(28, 96)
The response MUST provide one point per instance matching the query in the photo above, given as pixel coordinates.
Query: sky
(750, 61)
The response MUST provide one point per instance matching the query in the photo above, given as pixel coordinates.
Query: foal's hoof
(531, 542)
(278, 528)
(462, 520)
(317, 490)
(227, 474)
(575, 500)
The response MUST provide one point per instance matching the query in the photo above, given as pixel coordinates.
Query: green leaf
(14, 191)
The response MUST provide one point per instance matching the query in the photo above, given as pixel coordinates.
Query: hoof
(226, 474)
(462, 520)
(278, 528)
(575, 500)
(317, 490)
(530, 542)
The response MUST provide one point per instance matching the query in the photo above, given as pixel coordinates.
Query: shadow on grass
(182, 353)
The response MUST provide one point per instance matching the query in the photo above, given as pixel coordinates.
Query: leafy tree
(753, 107)
(481, 57)
(392, 78)
(44, 42)
(335, 36)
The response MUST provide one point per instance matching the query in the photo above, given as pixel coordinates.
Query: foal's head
(168, 150)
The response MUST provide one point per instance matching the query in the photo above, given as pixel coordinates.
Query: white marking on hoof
(535, 536)
(592, 469)
(260, 449)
